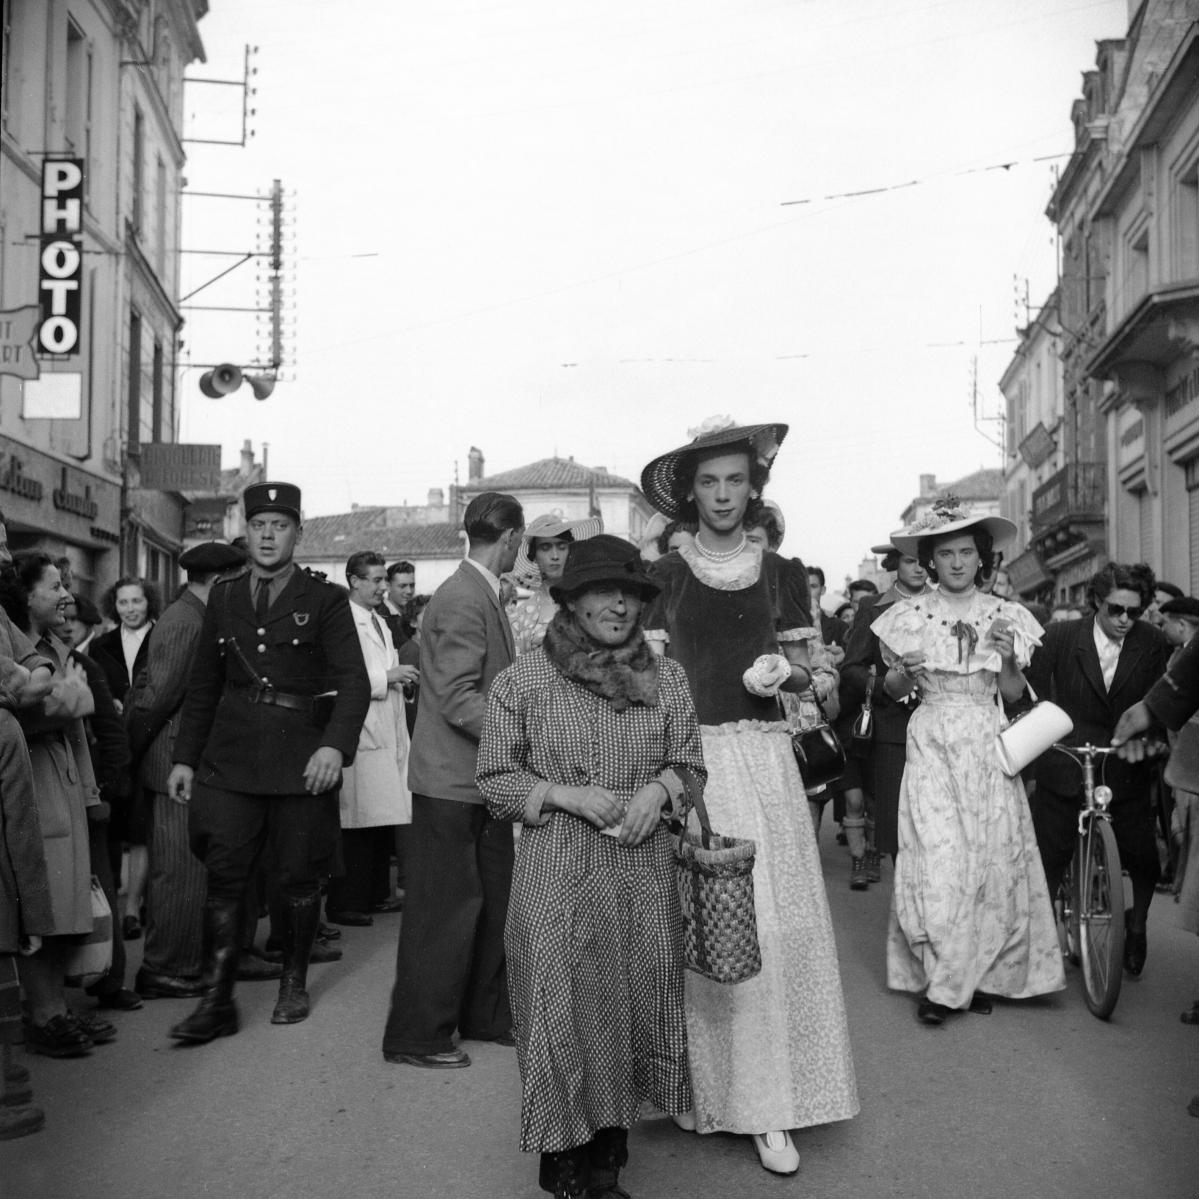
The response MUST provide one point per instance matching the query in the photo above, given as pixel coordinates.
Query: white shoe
(686, 1121)
(777, 1151)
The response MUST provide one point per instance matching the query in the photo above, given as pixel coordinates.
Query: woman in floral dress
(971, 916)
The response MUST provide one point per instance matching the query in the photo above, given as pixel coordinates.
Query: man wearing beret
(277, 696)
(175, 896)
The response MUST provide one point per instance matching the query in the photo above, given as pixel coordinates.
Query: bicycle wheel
(1100, 892)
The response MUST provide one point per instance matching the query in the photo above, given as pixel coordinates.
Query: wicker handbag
(716, 893)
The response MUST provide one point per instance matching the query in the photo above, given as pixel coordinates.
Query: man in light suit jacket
(450, 969)
(177, 885)
(1095, 668)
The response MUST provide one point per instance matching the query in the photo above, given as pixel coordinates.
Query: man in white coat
(374, 791)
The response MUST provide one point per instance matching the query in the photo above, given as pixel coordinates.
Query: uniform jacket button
(262, 649)
(262, 632)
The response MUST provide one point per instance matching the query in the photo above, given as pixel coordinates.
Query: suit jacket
(1065, 668)
(465, 642)
(108, 651)
(154, 704)
(863, 651)
(307, 647)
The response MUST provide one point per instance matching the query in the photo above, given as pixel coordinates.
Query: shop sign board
(41, 492)
(61, 259)
(171, 466)
(18, 327)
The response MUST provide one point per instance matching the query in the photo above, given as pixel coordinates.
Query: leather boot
(609, 1153)
(301, 917)
(565, 1175)
(216, 1014)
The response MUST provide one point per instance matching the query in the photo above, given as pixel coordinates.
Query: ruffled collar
(622, 676)
(735, 575)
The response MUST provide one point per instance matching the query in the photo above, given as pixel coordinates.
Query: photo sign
(61, 263)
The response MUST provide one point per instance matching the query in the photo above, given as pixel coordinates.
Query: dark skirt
(885, 773)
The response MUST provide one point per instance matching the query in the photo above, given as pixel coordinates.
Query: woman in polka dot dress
(591, 741)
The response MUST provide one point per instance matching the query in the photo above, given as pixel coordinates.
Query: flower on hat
(714, 424)
(946, 509)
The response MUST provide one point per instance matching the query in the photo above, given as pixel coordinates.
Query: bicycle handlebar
(1081, 753)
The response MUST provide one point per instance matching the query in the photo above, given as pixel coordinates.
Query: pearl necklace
(721, 555)
(908, 594)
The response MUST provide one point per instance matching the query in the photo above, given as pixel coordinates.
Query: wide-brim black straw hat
(604, 559)
(658, 479)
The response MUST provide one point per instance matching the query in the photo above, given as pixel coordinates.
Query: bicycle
(1091, 894)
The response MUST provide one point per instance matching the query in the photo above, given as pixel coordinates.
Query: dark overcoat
(107, 650)
(308, 646)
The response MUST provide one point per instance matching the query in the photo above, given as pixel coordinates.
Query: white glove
(767, 675)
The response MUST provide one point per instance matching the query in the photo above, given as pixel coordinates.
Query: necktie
(379, 630)
(263, 602)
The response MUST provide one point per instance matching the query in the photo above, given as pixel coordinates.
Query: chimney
(436, 497)
(475, 458)
(928, 485)
(247, 458)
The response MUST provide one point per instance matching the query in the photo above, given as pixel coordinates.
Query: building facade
(1033, 392)
(1148, 361)
(93, 87)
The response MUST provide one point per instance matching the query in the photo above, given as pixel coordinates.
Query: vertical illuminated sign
(61, 261)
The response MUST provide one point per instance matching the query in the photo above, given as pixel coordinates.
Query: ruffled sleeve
(1026, 631)
(900, 630)
(795, 602)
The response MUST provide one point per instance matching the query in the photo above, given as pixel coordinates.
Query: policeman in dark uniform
(276, 701)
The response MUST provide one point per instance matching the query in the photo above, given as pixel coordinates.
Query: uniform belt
(261, 693)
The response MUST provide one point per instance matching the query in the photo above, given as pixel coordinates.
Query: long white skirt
(771, 1053)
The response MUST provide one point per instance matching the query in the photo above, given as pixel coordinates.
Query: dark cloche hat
(272, 497)
(1184, 606)
(211, 556)
(658, 478)
(603, 559)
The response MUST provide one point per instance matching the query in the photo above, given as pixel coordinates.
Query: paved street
(1037, 1100)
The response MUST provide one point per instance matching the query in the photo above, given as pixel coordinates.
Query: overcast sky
(581, 228)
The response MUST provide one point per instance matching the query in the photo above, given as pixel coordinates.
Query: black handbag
(819, 751)
(861, 738)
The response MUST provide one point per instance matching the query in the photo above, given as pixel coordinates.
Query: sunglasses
(1115, 611)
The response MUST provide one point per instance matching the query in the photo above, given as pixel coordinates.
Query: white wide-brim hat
(947, 517)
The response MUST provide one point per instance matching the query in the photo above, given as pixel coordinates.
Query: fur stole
(622, 676)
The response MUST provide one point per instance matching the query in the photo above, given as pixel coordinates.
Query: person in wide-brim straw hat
(539, 563)
(737, 617)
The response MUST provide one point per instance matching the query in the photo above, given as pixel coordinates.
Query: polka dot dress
(593, 936)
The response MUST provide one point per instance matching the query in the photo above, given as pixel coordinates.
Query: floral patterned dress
(971, 910)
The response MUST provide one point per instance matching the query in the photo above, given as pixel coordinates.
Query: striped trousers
(175, 893)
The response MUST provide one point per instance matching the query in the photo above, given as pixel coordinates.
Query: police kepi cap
(272, 497)
(210, 557)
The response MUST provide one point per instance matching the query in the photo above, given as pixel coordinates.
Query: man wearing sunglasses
(1095, 668)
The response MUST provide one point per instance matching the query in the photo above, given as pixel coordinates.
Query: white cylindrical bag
(1030, 734)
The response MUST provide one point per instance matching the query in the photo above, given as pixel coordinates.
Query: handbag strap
(695, 799)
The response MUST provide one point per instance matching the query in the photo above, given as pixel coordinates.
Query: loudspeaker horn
(261, 385)
(220, 381)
